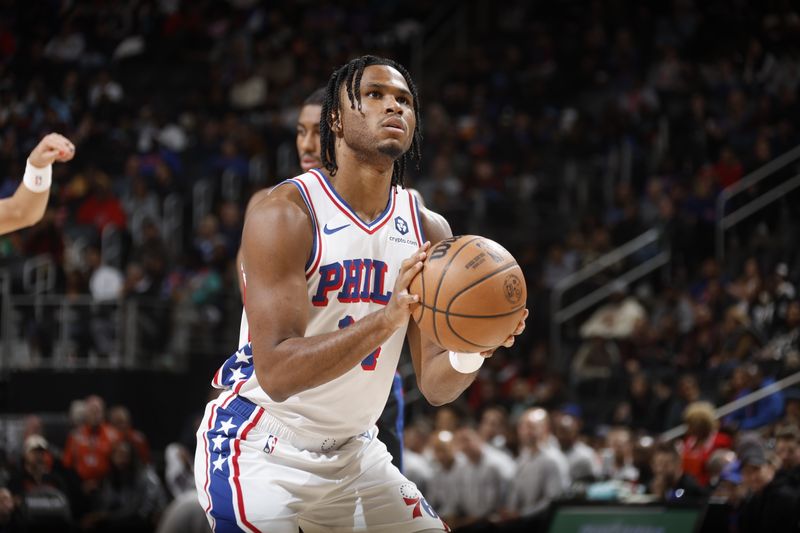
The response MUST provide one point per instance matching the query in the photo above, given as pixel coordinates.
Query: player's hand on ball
(398, 309)
(53, 147)
(510, 340)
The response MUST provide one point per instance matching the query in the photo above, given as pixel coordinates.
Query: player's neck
(364, 185)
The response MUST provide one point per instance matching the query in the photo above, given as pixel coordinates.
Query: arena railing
(739, 403)
(560, 314)
(725, 222)
(110, 332)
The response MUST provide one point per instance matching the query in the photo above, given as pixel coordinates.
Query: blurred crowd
(561, 129)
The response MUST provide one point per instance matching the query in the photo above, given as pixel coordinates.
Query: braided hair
(350, 74)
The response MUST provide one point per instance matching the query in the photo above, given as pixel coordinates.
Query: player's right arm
(276, 243)
(26, 207)
(254, 200)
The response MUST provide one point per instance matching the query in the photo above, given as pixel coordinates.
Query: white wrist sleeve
(37, 179)
(466, 363)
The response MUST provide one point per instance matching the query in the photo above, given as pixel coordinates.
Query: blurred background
(640, 159)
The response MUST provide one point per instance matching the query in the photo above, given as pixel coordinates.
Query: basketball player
(26, 207)
(328, 257)
(391, 422)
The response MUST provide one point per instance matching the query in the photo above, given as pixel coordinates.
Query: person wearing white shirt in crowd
(483, 483)
(494, 428)
(416, 465)
(443, 487)
(539, 480)
(617, 458)
(584, 465)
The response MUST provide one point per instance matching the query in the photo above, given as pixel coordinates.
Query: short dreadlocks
(350, 74)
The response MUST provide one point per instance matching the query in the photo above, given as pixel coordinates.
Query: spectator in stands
(762, 412)
(105, 284)
(617, 457)
(539, 478)
(718, 463)
(36, 468)
(101, 208)
(484, 477)
(773, 501)
(494, 427)
(179, 470)
(184, 515)
(688, 391)
(786, 342)
(45, 495)
(129, 499)
(88, 447)
(444, 486)
(620, 318)
(702, 439)
(11, 519)
(416, 465)
(670, 483)
(791, 398)
(584, 464)
(787, 448)
(119, 417)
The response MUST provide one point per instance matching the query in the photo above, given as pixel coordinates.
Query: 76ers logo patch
(413, 498)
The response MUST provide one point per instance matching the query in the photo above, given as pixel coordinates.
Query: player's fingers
(509, 341)
(404, 298)
(521, 326)
(411, 261)
(404, 280)
(488, 353)
(47, 155)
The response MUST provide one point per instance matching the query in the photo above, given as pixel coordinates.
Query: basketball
(472, 294)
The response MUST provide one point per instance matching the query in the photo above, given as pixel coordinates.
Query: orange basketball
(472, 294)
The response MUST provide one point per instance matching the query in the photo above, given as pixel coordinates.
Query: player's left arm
(438, 381)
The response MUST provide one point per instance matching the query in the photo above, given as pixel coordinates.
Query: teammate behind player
(26, 207)
(328, 258)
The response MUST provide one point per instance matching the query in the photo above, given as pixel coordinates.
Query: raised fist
(53, 147)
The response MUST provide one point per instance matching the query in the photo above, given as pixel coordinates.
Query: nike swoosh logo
(331, 231)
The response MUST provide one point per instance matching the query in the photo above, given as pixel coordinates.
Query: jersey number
(369, 361)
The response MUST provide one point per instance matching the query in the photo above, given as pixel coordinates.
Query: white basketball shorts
(254, 474)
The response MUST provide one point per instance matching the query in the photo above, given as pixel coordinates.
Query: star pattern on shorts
(218, 440)
(226, 425)
(242, 356)
(219, 463)
(237, 375)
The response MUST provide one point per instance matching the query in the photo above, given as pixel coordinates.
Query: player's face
(386, 121)
(307, 140)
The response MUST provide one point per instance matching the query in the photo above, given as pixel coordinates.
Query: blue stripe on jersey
(399, 424)
(238, 367)
(313, 215)
(415, 207)
(347, 206)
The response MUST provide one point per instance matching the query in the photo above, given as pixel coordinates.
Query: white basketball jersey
(351, 271)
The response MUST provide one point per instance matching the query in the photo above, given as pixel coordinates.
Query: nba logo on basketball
(401, 225)
(269, 447)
